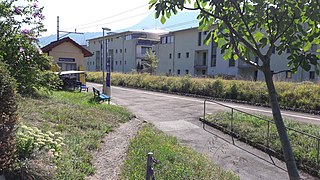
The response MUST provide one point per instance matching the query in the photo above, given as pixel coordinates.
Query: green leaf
(258, 36)
(163, 19)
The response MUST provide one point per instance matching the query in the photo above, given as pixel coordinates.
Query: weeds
(175, 160)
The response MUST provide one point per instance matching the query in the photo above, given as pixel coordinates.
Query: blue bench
(82, 87)
(100, 96)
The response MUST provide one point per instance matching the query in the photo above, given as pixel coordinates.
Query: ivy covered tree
(20, 25)
(255, 28)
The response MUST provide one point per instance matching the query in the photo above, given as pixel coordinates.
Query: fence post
(149, 166)
(232, 118)
(204, 113)
(268, 134)
(318, 158)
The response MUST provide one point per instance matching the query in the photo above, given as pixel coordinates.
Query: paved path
(178, 116)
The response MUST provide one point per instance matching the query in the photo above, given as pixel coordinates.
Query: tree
(255, 28)
(20, 24)
(150, 62)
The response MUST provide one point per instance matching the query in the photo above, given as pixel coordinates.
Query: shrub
(8, 118)
(305, 95)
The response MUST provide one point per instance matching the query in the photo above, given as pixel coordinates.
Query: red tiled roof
(52, 45)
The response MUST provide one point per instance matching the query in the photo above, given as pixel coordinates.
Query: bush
(8, 118)
(305, 95)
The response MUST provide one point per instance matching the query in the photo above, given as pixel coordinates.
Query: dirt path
(112, 153)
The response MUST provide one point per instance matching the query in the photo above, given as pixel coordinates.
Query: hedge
(303, 96)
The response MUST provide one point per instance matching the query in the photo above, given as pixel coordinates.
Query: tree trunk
(285, 143)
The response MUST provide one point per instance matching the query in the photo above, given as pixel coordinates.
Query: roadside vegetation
(175, 160)
(58, 134)
(304, 96)
(253, 130)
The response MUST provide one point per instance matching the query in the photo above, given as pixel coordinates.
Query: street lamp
(106, 88)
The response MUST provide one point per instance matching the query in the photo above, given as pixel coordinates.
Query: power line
(78, 26)
(114, 21)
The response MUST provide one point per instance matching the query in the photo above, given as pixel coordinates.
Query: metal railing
(149, 171)
(268, 138)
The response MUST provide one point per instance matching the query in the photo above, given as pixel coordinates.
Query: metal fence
(313, 168)
(149, 171)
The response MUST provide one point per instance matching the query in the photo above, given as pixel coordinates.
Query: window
(187, 71)
(288, 75)
(125, 62)
(120, 50)
(187, 55)
(170, 56)
(169, 71)
(199, 38)
(232, 62)
(213, 60)
(125, 50)
(116, 50)
(120, 62)
(144, 50)
(314, 47)
(167, 39)
(116, 62)
(312, 75)
(204, 60)
(178, 72)
(179, 55)
(98, 61)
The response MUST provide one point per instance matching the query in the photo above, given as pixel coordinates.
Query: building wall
(126, 54)
(67, 50)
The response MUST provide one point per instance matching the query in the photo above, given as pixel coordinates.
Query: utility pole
(67, 32)
(57, 28)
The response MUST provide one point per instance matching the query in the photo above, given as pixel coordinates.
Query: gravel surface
(109, 159)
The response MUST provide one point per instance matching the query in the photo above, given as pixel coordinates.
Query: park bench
(100, 96)
(82, 87)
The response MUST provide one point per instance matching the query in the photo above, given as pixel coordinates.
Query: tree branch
(245, 23)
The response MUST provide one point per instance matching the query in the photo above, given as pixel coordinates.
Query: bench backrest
(96, 91)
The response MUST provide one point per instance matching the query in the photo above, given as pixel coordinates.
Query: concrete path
(178, 116)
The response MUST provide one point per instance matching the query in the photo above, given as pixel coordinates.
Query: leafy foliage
(19, 48)
(149, 63)
(8, 118)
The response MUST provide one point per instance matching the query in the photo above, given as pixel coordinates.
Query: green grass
(82, 122)
(305, 95)
(175, 160)
(255, 130)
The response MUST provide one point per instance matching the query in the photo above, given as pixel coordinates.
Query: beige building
(68, 54)
(125, 50)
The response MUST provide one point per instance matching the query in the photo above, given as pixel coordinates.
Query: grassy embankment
(82, 123)
(254, 130)
(175, 160)
(304, 96)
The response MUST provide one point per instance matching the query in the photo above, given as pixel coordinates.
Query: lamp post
(106, 89)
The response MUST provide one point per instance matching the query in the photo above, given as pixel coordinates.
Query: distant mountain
(182, 20)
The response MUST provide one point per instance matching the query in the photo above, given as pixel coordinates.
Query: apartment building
(125, 50)
(183, 52)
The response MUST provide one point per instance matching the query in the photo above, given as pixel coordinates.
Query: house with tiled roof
(68, 54)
